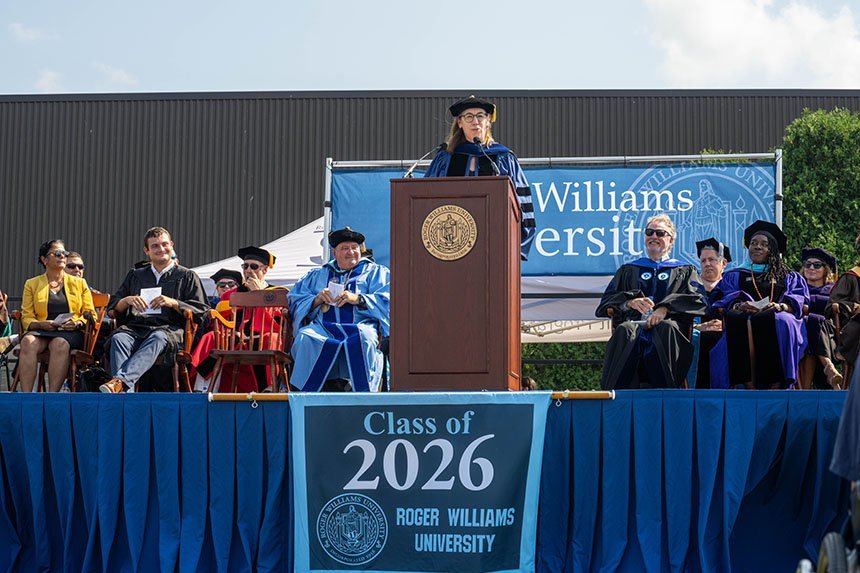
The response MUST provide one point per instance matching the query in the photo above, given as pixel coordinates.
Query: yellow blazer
(34, 306)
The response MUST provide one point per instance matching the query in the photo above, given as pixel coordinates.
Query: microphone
(477, 142)
(441, 147)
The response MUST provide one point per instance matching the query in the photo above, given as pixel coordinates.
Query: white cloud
(48, 81)
(115, 77)
(754, 43)
(24, 33)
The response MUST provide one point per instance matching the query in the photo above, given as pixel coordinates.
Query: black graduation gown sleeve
(846, 293)
(683, 297)
(623, 287)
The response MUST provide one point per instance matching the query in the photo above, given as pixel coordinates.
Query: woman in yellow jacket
(52, 315)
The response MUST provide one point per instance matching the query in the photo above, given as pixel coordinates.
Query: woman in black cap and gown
(816, 368)
(766, 299)
(471, 151)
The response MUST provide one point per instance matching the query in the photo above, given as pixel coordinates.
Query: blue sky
(52, 46)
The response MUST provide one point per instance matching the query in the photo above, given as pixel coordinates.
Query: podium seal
(449, 232)
(352, 529)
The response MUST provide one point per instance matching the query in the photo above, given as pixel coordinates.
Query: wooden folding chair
(254, 338)
(82, 358)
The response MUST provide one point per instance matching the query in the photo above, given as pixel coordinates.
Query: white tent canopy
(545, 319)
(296, 254)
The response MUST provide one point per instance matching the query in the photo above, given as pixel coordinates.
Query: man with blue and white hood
(654, 300)
(338, 313)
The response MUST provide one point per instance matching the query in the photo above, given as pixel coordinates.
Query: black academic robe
(179, 283)
(658, 357)
(846, 293)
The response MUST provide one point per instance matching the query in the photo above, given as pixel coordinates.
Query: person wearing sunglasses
(339, 311)
(653, 301)
(149, 308)
(472, 152)
(762, 300)
(816, 368)
(52, 316)
(256, 263)
(225, 280)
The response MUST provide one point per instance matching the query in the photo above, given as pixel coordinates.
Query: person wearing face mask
(653, 300)
(256, 263)
(816, 367)
(762, 301)
(339, 311)
(713, 258)
(466, 157)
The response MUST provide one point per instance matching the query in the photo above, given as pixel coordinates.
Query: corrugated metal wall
(224, 170)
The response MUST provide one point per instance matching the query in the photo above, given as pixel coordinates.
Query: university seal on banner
(352, 529)
(449, 232)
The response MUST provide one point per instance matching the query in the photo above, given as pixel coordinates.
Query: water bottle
(65, 387)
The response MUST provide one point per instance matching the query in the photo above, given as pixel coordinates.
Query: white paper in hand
(335, 289)
(760, 304)
(148, 295)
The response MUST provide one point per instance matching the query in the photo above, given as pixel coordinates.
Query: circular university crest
(352, 529)
(449, 232)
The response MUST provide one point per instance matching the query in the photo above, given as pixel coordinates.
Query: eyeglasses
(659, 232)
(226, 284)
(813, 264)
(469, 117)
(60, 254)
(74, 266)
(252, 266)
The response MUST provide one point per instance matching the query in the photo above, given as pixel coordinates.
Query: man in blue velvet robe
(339, 311)
(653, 301)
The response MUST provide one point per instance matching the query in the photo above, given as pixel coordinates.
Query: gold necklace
(755, 286)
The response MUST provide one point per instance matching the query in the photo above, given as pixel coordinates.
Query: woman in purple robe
(816, 368)
(763, 306)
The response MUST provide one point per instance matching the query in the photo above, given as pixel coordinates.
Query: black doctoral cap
(712, 243)
(227, 274)
(257, 254)
(343, 235)
(459, 107)
(819, 254)
(769, 229)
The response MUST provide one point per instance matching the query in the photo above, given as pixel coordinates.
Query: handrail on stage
(270, 397)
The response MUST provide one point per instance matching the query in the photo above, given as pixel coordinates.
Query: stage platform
(650, 481)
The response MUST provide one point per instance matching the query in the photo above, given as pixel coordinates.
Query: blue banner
(590, 219)
(417, 482)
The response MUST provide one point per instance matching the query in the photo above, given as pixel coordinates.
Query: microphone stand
(441, 147)
(477, 142)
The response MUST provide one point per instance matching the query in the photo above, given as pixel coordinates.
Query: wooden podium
(455, 284)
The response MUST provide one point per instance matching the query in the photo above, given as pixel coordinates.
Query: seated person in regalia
(653, 300)
(339, 311)
(763, 302)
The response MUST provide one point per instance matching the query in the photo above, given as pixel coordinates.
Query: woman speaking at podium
(471, 152)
